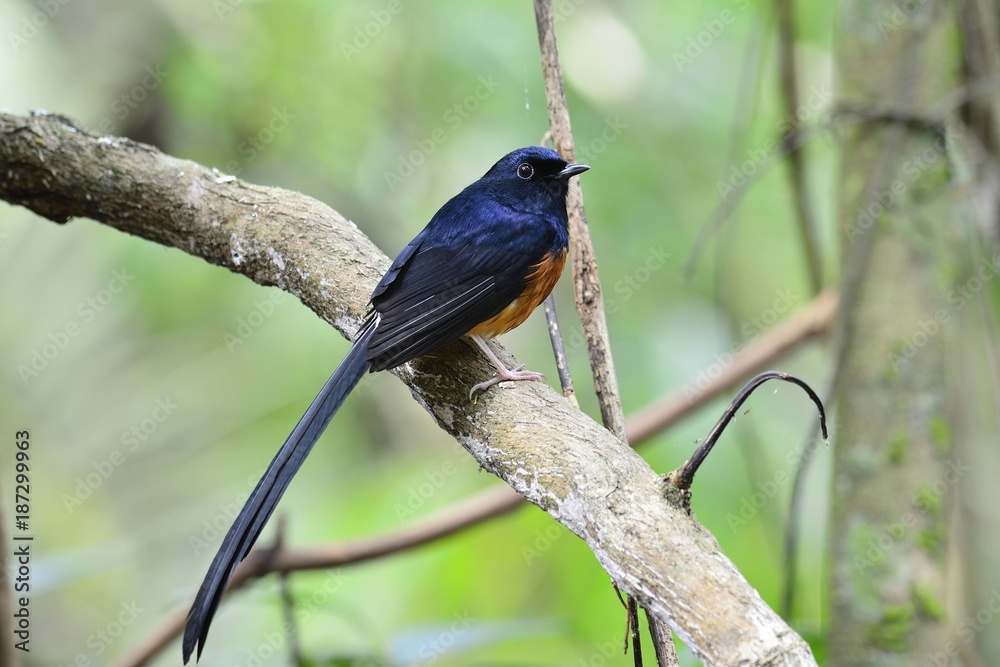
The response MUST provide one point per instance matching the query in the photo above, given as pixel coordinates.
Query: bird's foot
(505, 375)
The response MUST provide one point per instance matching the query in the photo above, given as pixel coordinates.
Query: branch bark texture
(527, 434)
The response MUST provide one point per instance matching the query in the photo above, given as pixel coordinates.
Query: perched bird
(482, 264)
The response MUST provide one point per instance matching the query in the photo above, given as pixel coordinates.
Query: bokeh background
(158, 417)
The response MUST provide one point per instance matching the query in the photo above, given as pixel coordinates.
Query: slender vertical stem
(559, 350)
(586, 283)
(796, 158)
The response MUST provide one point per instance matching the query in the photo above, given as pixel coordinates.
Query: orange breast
(537, 286)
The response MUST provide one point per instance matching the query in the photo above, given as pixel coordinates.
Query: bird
(484, 262)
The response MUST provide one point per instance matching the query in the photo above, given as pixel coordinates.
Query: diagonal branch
(814, 319)
(529, 436)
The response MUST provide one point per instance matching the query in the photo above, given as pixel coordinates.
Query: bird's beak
(572, 170)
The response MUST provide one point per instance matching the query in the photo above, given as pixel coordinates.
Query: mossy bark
(894, 468)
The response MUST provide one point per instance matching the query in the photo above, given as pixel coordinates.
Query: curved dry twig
(684, 476)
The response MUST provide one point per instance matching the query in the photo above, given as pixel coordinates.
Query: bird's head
(533, 174)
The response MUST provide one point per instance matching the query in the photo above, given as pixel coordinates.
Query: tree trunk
(894, 466)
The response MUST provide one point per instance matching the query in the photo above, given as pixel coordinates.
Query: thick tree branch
(527, 434)
(812, 320)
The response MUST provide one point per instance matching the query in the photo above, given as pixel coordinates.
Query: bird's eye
(525, 171)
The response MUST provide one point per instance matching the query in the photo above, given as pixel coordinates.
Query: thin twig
(684, 476)
(555, 333)
(754, 61)
(790, 542)
(586, 283)
(796, 160)
(663, 643)
(559, 350)
(285, 594)
(633, 628)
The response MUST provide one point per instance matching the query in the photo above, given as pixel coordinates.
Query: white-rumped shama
(482, 264)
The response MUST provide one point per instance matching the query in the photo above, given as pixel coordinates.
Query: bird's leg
(504, 374)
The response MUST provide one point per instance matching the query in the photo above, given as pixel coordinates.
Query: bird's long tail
(270, 488)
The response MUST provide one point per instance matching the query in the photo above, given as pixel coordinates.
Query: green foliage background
(329, 98)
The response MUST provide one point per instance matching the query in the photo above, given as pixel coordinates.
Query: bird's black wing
(441, 292)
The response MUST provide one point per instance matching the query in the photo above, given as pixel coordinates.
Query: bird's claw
(515, 374)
